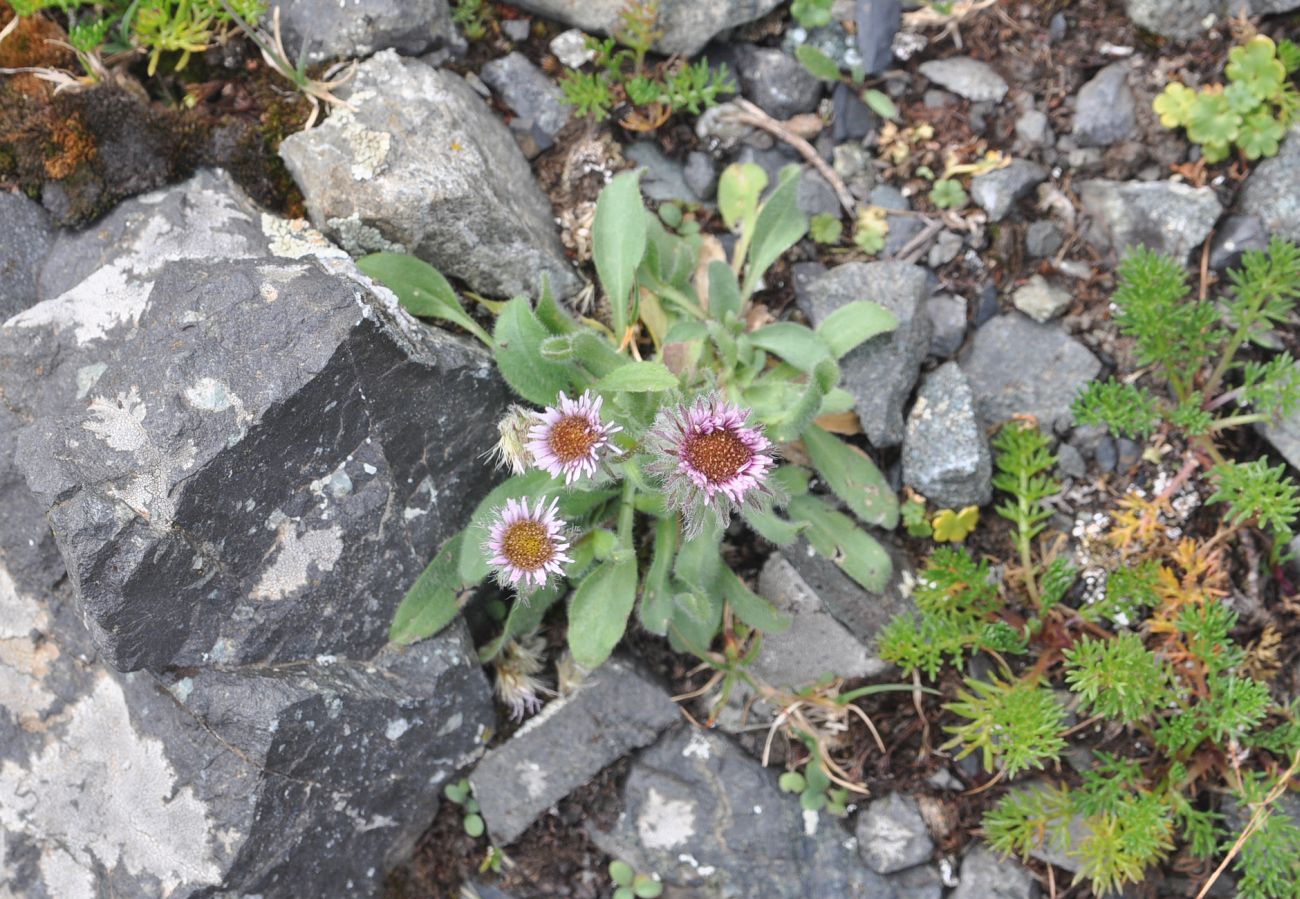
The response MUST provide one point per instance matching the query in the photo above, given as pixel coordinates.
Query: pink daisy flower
(569, 437)
(710, 458)
(526, 545)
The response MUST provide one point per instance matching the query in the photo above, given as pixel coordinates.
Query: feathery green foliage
(1014, 725)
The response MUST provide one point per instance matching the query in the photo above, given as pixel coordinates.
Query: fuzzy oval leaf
(855, 323)
(818, 63)
(801, 347)
(739, 187)
(518, 340)
(599, 611)
(833, 535)
(473, 565)
(619, 242)
(638, 377)
(879, 103)
(749, 607)
(777, 228)
(421, 289)
(430, 603)
(852, 477)
(724, 291)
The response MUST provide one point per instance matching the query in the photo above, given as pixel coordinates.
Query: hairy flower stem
(626, 515)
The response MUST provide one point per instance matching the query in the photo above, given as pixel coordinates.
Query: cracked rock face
(248, 781)
(423, 166)
(325, 29)
(244, 459)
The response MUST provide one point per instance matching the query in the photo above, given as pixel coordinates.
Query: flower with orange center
(527, 546)
(569, 438)
(710, 458)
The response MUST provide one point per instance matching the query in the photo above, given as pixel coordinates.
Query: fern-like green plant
(1023, 462)
(1015, 725)
(1118, 679)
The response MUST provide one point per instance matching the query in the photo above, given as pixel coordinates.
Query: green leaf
(770, 526)
(1255, 64)
(473, 565)
(698, 561)
(792, 782)
(525, 616)
(696, 618)
(421, 289)
(457, 791)
(430, 604)
(818, 63)
(852, 477)
(474, 825)
(855, 323)
(724, 294)
(749, 607)
(518, 338)
(657, 592)
(825, 229)
(800, 346)
(953, 527)
(619, 242)
(621, 873)
(835, 537)
(647, 887)
(739, 187)
(777, 228)
(638, 377)
(948, 193)
(1174, 105)
(599, 611)
(879, 103)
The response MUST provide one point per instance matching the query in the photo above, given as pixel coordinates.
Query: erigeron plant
(626, 470)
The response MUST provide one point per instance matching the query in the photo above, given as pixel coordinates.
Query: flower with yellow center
(526, 546)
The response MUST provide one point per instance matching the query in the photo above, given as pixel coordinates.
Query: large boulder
(685, 26)
(1272, 192)
(418, 163)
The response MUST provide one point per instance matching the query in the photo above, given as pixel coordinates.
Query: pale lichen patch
(297, 556)
(665, 823)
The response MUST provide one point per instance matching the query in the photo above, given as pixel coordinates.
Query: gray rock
(616, 709)
(536, 100)
(1033, 129)
(1018, 366)
(776, 82)
(517, 29)
(945, 451)
(1041, 300)
(921, 882)
(851, 119)
(881, 373)
(1186, 19)
(25, 240)
(1285, 436)
(865, 614)
(711, 822)
(997, 191)
(892, 835)
(1104, 110)
(1236, 235)
(663, 178)
(966, 77)
(815, 195)
(816, 643)
(877, 22)
(330, 30)
(984, 875)
(423, 166)
(1166, 216)
(852, 162)
(946, 246)
(902, 228)
(1042, 239)
(1106, 454)
(701, 175)
(1070, 461)
(277, 781)
(1271, 192)
(685, 25)
(947, 315)
(229, 507)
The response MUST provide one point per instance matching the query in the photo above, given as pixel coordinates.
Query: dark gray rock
(228, 507)
(1105, 111)
(1040, 299)
(25, 238)
(815, 195)
(662, 178)
(1070, 461)
(984, 875)
(776, 82)
(701, 175)
(877, 22)
(331, 30)
(864, 613)
(1043, 239)
(881, 373)
(1272, 193)
(711, 822)
(947, 315)
(1166, 216)
(946, 451)
(902, 228)
(1234, 236)
(997, 191)
(1285, 436)
(852, 162)
(921, 882)
(423, 166)
(1106, 454)
(946, 246)
(1033, 129)
(1017, 366)
(1186, 19)
(278, 781)
(537, 101)
(685, 25)
(966, 77)
(616, 709)
(851, 119)
(892, 835)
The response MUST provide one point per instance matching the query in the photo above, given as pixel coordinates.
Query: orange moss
(70, 145)
(36, 42)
